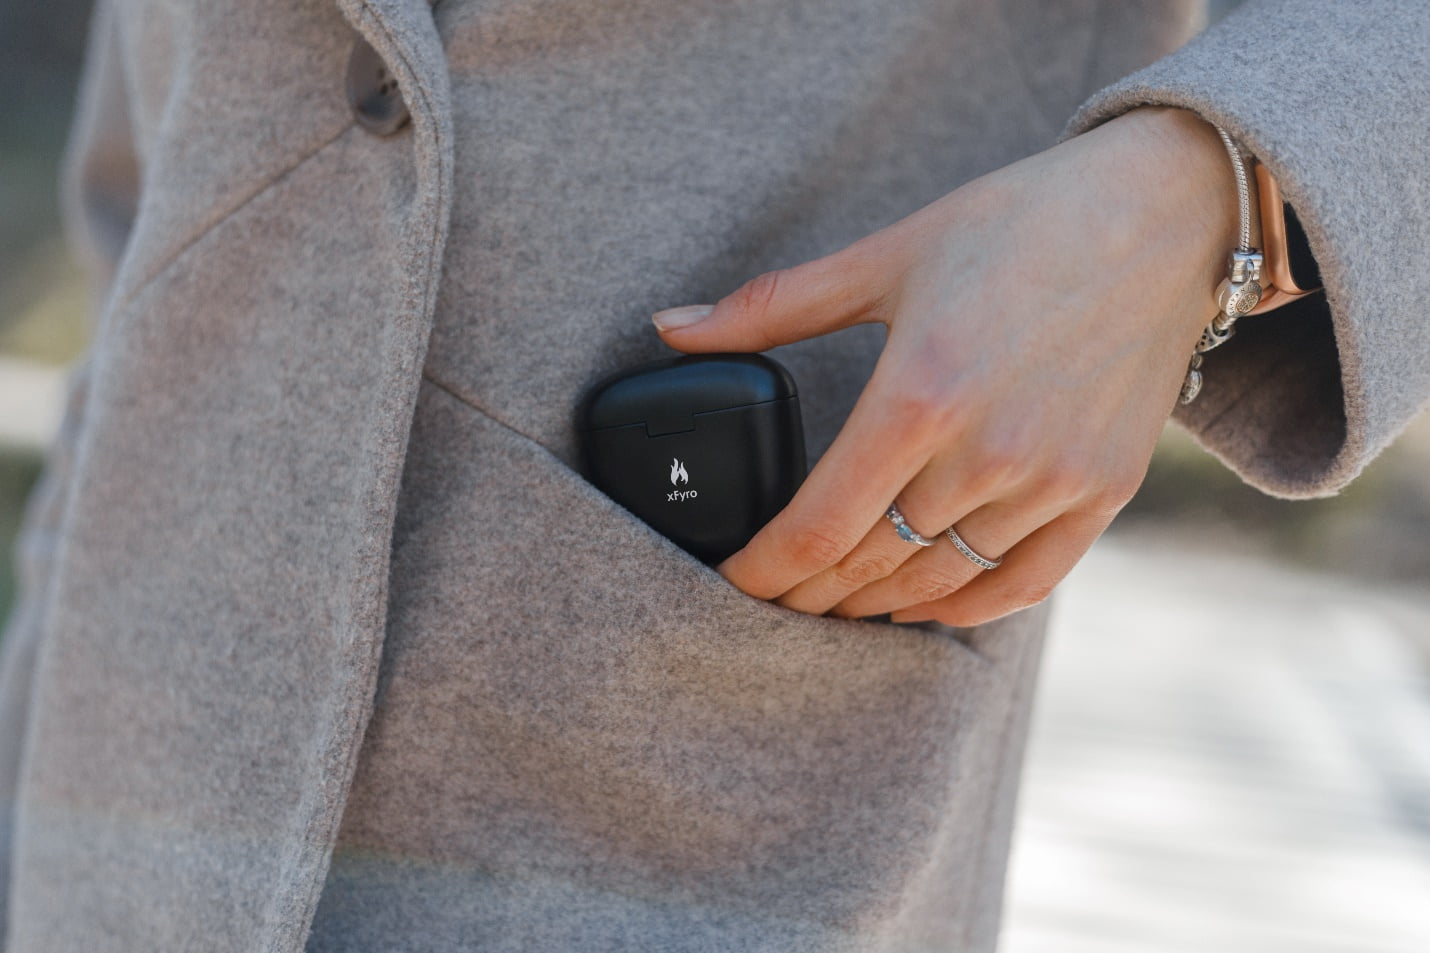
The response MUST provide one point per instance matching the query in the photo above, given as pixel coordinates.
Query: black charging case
(705, 448)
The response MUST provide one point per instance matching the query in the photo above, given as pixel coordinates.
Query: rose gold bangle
(1281, 287)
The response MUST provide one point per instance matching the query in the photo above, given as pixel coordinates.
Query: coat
(324, 640)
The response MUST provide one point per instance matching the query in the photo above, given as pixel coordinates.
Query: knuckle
(756, 297)
(1029, 592)
(818, 548)
(927, 585)
(998, 460)
(864, 566)
(924, 408)
(1066, 479)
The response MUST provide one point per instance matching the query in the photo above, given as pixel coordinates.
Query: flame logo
(677, 473)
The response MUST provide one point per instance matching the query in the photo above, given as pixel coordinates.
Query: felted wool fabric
(325, 643)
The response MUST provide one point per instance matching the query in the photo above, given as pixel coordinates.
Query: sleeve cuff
(1334, 99)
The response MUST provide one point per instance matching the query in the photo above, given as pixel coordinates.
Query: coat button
(373, 93)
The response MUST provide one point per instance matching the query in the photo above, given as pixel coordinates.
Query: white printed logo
(677, 477)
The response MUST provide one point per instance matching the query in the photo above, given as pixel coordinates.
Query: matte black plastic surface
(706, 448)
(665, 395)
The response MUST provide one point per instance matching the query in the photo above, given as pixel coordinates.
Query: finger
(790, 304)
(883, 551)
(1028, 575)
(875, 454)
(953, 485)
(941, 569)
(878, 554)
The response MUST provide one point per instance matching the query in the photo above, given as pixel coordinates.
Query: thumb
(778, 307)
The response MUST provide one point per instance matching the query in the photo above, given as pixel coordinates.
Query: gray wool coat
(325, 643)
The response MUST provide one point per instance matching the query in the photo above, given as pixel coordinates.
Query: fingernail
(673, 318)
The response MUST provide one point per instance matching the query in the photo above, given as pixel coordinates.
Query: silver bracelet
(1240, 290)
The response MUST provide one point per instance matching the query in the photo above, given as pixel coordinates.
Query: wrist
(1189, 198)
(1240, 291)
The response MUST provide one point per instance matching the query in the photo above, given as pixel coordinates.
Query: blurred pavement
(1227, 756)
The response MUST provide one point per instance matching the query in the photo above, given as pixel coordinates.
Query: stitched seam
(162, 267)
(452, 392)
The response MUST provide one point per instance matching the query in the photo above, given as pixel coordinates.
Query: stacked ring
(906, 532)
(968, 551)
(908, 535)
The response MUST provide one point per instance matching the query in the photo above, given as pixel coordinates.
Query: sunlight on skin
(1040, 319)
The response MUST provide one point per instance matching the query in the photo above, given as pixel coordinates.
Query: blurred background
(1231, 746)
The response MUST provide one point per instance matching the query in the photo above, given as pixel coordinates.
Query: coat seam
(465, 401)
(162, 267)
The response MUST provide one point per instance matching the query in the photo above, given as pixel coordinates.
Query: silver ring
(967, 550)
(906, 532)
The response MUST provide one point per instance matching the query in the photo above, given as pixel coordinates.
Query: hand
(1040, 320)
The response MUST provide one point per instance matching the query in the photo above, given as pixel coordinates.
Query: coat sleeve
(1334, 98)
(99, 191)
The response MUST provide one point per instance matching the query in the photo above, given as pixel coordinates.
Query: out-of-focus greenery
(42, 307)
(49, 321)
(18, 472)
(42, 299)
(41, 46)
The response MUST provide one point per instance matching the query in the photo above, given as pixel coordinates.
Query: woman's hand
(1040, 320)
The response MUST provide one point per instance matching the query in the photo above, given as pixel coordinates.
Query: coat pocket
(570, 554)
(567, 698)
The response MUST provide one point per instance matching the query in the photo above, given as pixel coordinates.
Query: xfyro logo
(677, 477)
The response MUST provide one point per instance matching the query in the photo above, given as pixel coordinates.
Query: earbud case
(705, 448)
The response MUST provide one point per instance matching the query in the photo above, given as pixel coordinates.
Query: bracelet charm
(1240, 291)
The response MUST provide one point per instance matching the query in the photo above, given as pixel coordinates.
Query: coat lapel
(220, 592)
(404, 33)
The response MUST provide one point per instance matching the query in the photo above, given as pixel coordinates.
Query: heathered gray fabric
(218, 594)
(578, 738)
(673, 767)
(617, 158)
